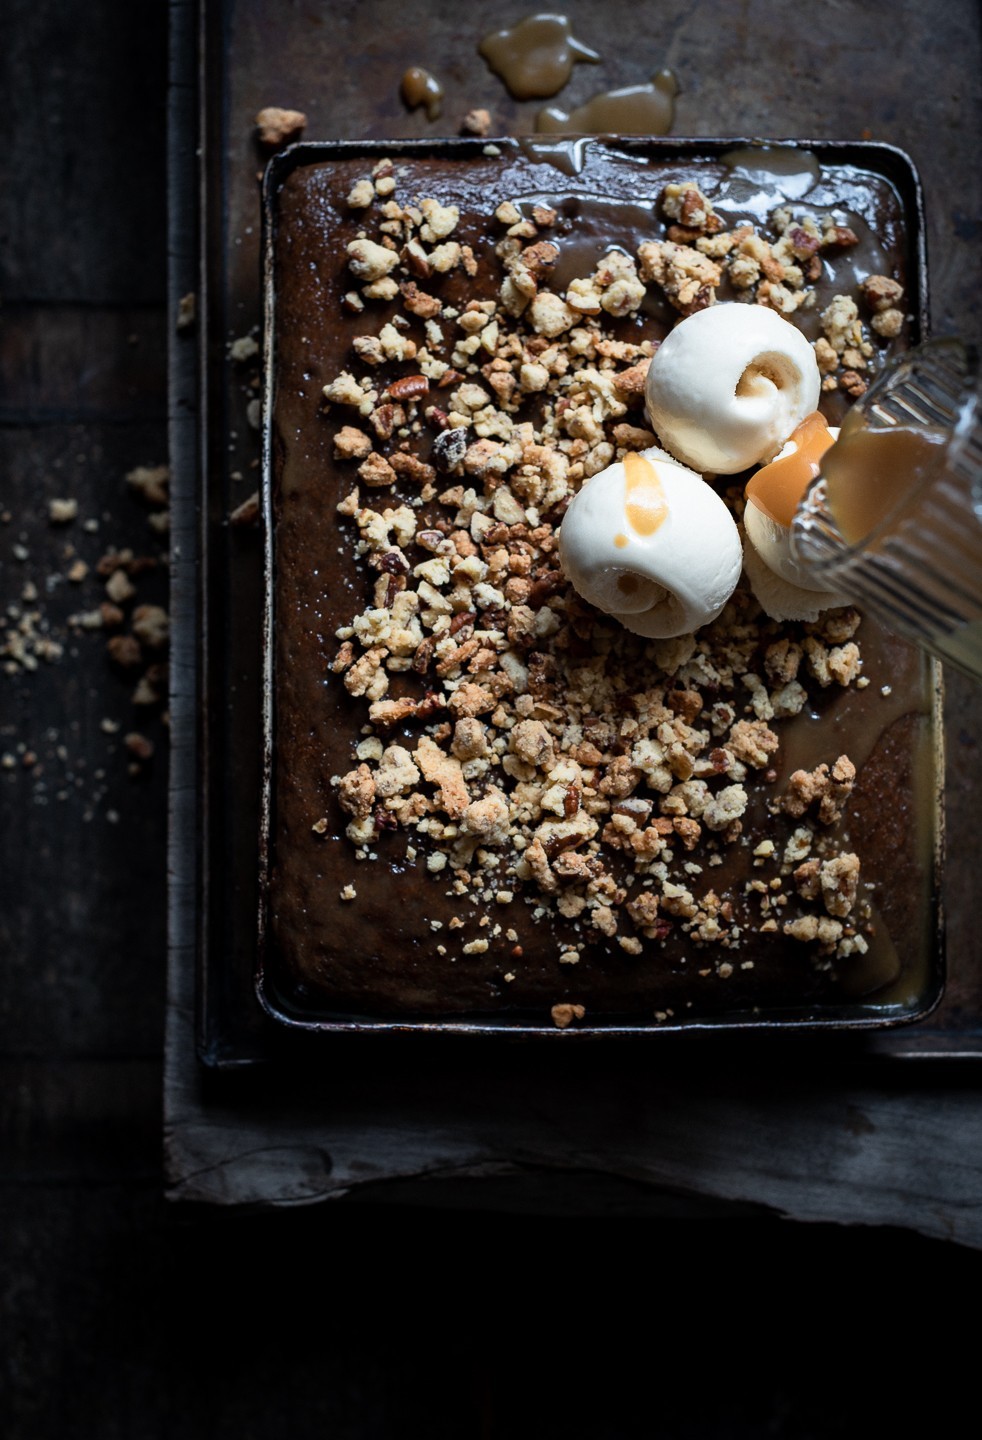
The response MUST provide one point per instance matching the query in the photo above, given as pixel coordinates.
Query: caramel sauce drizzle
(644, 499)
(777, 488)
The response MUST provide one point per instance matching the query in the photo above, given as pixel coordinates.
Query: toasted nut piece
(408, 387)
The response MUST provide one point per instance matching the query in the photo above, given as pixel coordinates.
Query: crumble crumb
(151, 483)
(246, 347)
(187, 311)
(828, 789)
(476, 122)
(276, 126)
(688, 278)
(361, 194)
(564, 1014)
(62, 512)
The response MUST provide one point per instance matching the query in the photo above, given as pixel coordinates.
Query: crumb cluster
(74, 591)
(139, 633)
(275, 126)
(698, 255)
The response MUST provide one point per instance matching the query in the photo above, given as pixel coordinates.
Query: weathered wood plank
(81, 161)
(79, 363)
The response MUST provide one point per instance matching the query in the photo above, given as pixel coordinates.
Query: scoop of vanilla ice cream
(781, 599)
(650, 543)
(728, 385)
(785, 589)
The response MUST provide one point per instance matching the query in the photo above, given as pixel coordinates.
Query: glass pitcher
(894, 518)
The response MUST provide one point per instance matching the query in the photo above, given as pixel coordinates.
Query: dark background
(120, 1317)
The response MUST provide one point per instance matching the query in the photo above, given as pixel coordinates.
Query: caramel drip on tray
(418, 88)
(635, 110)
(535, 58)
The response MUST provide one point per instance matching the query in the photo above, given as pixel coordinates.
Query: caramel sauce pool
(636, 110)
(778, 488)
(535, 58)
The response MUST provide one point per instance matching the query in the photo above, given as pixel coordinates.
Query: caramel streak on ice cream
(783, 586)
(648, 508)
(679, 562)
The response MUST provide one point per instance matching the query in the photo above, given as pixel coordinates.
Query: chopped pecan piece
(417, 302)
(881, 293)
(408, 387)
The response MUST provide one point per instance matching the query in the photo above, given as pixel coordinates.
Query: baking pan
(293, 1003)
(228, 59)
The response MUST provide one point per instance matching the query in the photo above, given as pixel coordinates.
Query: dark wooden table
(123, 1319)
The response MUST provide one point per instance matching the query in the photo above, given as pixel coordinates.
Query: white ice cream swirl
(728, 385)
(650, 543)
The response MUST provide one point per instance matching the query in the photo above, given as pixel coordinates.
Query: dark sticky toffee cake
(488, 798)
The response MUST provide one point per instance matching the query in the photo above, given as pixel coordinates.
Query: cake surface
(490, 801)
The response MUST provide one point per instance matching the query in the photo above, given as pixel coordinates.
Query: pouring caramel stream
(871, 473)
(777, 488)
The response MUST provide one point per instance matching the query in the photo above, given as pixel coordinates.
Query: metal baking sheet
(290, 1002)
(237, 63)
